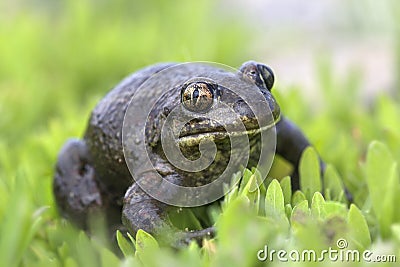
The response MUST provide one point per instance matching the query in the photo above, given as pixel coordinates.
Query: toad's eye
(198, 96)
(267, 75)
(259, 74)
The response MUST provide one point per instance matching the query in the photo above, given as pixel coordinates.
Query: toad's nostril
(83, 169)
(166, 111)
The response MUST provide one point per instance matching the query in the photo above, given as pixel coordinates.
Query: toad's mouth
(218, 133)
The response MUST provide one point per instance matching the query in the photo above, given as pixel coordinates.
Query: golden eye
(197, 96)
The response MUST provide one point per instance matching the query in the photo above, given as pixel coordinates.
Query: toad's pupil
(195, 95)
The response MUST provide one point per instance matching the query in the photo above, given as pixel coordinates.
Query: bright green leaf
(252, 192)
(288, 210)
(286, 189)
(145, 241)
(274, 202)
(236, 247)
(298, 197)
(125, 246)
(232, 195)
(86, 254)
(247, 174)
(318, 206)
(108, 258)
(260, 181)
(333, 184)
(310, 173)
(358, 228)
(236, 214)
(383, 185)
(184, 218)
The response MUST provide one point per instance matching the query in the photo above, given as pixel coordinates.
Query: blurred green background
(336, 65)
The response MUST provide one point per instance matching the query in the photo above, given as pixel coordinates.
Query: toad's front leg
(141, 211)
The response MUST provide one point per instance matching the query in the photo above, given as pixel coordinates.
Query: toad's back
(103, 134)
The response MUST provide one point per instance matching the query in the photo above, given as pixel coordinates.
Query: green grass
(59, 59)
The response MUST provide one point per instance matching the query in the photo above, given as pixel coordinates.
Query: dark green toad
(92, 174)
